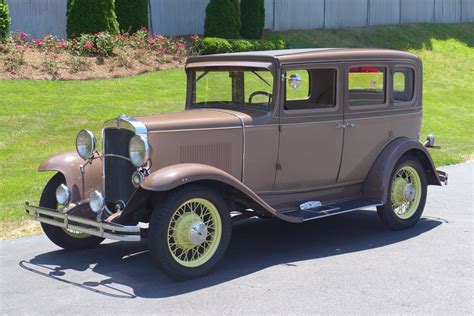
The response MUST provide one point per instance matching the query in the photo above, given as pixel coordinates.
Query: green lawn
(40, 118)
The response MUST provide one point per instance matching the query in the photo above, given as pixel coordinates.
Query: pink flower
(89, 45)
(180, 44)
(122, 38)
(23, 36)
(61, 45)
(13, 73)
(151, 41)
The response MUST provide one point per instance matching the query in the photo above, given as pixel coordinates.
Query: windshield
(225, 88)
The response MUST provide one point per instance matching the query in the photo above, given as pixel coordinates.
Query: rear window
(403, 85)
(367, 85)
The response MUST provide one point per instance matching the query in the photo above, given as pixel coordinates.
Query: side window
(317, 90)
(403, 85)
(367, 85)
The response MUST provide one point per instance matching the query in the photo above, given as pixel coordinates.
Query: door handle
(351, 125)
(341, 125)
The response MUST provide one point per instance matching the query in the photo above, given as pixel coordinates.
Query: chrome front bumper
(83, 225)
(443, 176)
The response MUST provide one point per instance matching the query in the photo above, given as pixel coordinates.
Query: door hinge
(278, 166)
(279, 128)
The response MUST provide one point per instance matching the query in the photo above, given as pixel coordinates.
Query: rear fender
(68, 164)
(377, 182)
(174, 176)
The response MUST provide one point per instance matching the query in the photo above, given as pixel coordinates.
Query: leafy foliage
(252, 17)
(212, 45)
(5, 19)
(132, 15)
(90, 17)
(222, 19)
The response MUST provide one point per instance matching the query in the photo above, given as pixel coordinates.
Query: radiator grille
(217, 155)
(117, 170)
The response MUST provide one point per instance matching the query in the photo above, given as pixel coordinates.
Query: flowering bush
(123, 50)
(101, 44)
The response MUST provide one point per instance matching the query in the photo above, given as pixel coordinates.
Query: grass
(41, 118)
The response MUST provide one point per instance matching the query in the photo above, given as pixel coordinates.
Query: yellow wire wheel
(406, 192)
(194, 232)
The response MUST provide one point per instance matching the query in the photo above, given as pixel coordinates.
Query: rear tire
(63, 238)
(406, 196)
(189, 232)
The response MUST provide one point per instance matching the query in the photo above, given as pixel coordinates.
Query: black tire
(386, 211)
(159, 224)
(56, 234)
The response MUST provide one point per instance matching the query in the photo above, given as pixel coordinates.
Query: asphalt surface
(343, 264)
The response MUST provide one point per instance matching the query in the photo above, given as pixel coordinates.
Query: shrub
(91, 16)
(5, 20)
(210, 45)
(132, 15)
(252, 18)
(222, 19)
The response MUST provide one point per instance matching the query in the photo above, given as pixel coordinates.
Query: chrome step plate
(332, 209)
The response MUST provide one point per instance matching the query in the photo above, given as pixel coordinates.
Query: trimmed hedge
(212, 45)
(91, 16)
(252, 18)
(5, 19)
(131, 15)
(222, 19)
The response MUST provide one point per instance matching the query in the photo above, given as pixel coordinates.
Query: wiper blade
(200, 77)
(261, 78)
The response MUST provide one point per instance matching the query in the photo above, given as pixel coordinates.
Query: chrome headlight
(96, 201)
(63, 194)
(85, 144)
(139, 151)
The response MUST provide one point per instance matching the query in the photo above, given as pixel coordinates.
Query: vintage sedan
(293, 134)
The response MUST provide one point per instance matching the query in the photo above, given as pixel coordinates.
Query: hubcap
(406, 192)
(194, 232)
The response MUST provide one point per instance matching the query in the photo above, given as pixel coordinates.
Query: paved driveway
(344, 264)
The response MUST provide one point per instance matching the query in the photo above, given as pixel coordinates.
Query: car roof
(295, 56)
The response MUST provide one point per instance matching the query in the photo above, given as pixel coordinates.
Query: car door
(367, 118)
(310, 146)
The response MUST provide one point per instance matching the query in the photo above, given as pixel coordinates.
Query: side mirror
(295, 81)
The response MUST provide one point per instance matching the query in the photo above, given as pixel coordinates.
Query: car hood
(194, 119)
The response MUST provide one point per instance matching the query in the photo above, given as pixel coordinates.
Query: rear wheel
(64, 238)
(407, 195)
(189, 232)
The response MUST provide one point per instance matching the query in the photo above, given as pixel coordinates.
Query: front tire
(63, 238)
(189, 232)
(406, 195)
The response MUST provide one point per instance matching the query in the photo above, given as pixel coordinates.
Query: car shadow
(126, 270)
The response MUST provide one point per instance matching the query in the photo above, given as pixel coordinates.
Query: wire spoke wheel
(194, 232)
(406, 192)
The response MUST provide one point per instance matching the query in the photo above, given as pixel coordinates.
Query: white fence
(177, 17)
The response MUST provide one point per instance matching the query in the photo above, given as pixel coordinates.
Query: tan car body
(272, 162)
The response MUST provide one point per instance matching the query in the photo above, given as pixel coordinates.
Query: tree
(222, 19)
(91, 16)
(252, 18)
(5, 19)
(131, 14)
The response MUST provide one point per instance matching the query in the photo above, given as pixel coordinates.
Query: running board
(332, 209)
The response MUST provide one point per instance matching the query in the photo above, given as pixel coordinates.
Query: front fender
(171, 177)
(68, 164)
(377, 182)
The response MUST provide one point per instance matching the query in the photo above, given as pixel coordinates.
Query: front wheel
(189, 232)
(407, 195)
(64, 238)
